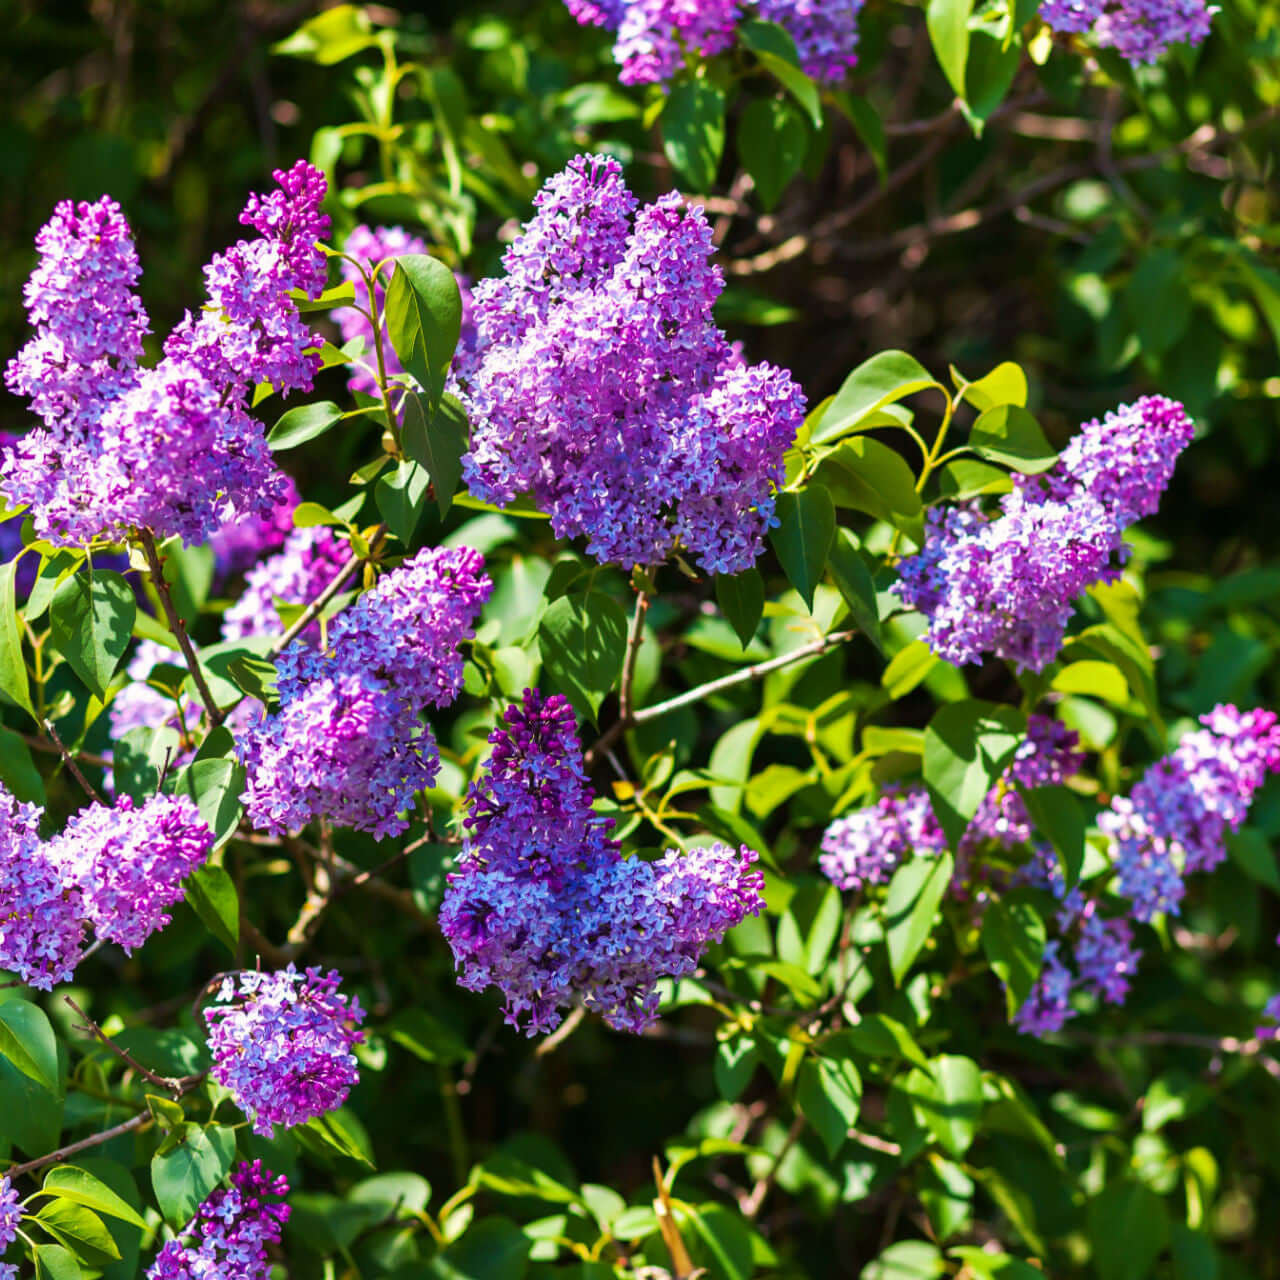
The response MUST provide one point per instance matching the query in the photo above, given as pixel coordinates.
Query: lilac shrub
(542, 904)
(602, 386)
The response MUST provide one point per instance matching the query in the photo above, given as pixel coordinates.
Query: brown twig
(752, 1205)
(89, 789)
(141, 1120)
(634, 639)
(176, 1085)
(51, 749)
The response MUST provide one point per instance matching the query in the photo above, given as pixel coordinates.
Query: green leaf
(438, 442)
(736, 1062)
(884, 379)
(330, 37)
(80, 1230)
(1056, 814)
(879, 1036)
(1009, 434)
(426, 1037)
(1013, 936)
(869, 476)
(1251, 851)
(401, 496)
(915, 893)
(69, 1183)
(853, 580)
(1005, 384)
(772, 141)
(304, 423)
(27, 1040)
(809, 926)
(185, 1174)
(741, 600)
(1128, 1227)
(951, 1101)
(967, 746)
(1159, 300)
(776, 51)
(424, 320)
(693, 131)
(337, 1133)
(995, 1266)
(18, 771)
(804, 536)
(906, 1260)
(583, 640)
(493, 1249)
(908, 668)
(216, 786)
(90, 623)
(868, 126)
(948, 23)
(53, 1262)
(829, 1093)
(13, 670)
(989, 70)
(211, 894)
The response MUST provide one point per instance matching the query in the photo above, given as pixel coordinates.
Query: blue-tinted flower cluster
(348, 742)
(542, 904)
(655, 37)
(230, 1232)
(10, 1216)
(1007, 585)
(281, 1043)
(172, 449)
(602, 386)
(1140, 31)
(115, 869)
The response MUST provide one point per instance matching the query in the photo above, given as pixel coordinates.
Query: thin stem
(177, 626)
(453, 1124)
(378, 349)
(140, 1121)
(755, 1201)
(634, 639)
(69, 760)
(174, 1085)
(50, 748)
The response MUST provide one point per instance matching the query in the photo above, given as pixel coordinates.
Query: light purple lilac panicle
(230, 1232)
(281, 1043)
(173, 448)
(542, 904)
(1140, 31)
(348, 742)
(239, 542)
(602, 386)
(654, 37)
(867, 846)
(1007, 585)
(10, 1217)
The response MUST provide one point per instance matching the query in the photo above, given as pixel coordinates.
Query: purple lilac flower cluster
(115, 869)
(1007, 585)
(348, 742)
(1175, 821)
(10, 1216)
(370, 246)
(1271, 1012)
(542, 904)
(654, 37)
(602, 385)
(172, 449)
(230, 1232)
(1140, 31)
(281, 1043)
(239, 543)
(309, 561)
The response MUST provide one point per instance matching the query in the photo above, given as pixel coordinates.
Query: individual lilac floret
(1140, 31)
(239, 543)
(41, 919)
(543, 906)
(1048, 1006)
(1007, 585)
(129, 863)
(602, 386)
(1175, 821)
(825, 32)
(281, 1043)
(297, 574)
(347, 742)
(228, 1237)
(867, 846)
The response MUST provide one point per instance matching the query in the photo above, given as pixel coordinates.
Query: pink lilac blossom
(241, 542)
(542, 904)
(173, 448)
(1007, 585)
(308, 562)
(602, 386)
(281, 1043)
(41, 918)
(230, 1232)
(1140, 31)
(347, 742)
(129, 863)
(1175, 821)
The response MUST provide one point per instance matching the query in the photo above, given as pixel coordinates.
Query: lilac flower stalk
(228, 1236)
(1007, 585)
(543, 906)
(1140, 31)
(281, 1043)
(347, 742)
(603, 387)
